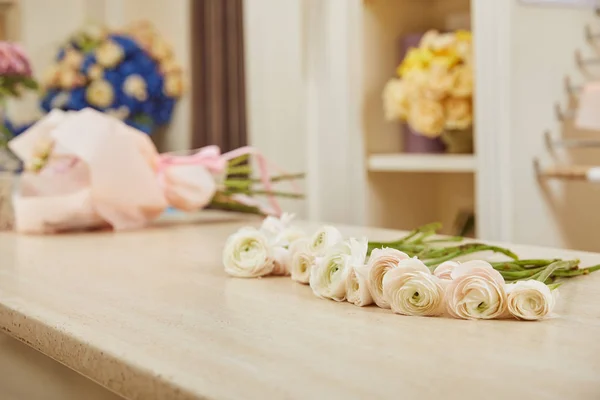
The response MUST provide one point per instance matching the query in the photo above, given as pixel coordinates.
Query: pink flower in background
(13, 60)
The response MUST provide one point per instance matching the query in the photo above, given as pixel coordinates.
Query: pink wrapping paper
(102, 172)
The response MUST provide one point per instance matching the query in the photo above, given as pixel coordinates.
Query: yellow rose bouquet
(433, 92)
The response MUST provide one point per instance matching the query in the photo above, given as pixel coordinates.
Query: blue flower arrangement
(130, 74)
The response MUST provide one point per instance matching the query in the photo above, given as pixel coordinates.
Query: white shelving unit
(405, 190)
(442, 163)
(357, 171)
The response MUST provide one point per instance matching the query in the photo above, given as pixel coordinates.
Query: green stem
(519, 275)
(445, 240)
(554, 286)
(554, 267)
(237, 183)
(279, 178)
(233, 206)
(264, 193)
(507, 266)
(239, 170)
(468, 248)
(577, 271)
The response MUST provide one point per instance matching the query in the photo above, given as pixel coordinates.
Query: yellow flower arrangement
(434, 88)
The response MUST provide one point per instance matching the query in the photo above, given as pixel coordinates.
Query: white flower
(357, 286)
(100, 93)
(282, 259)
(67, 78)
(109, 54)
(73, 58)
(444, 270)
(380, 262)
(395, 100)
(60, 100)
(170, 66)
(173, 85)
(429, 39)
(280, 230)
(95, 72)
(442, 41)
(323, 239)
(274, 225)
(411, 289)
(118, 113)
(189, 187)
(530, 300)
(160, 50)
(476, 292)
(247, 254)
(135, 86)
(290, 235)
(328, 278)
(302, 260)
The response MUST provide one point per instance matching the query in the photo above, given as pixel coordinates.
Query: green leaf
(30, 83)
(143, 119)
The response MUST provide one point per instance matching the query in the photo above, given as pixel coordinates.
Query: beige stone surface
(151, 315)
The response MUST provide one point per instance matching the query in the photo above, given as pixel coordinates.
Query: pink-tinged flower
(13, 60)
(282, 259)
(476, 292)
(357, 287)
(530, 300)
(380, 262)
(444, 270)
(411, 289)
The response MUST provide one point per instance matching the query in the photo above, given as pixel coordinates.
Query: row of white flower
(340, 270)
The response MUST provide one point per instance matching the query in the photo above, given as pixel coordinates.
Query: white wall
(543, 43)
(275, 84)
(43, 27)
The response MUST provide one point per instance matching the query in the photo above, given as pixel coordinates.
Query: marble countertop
(151, 315)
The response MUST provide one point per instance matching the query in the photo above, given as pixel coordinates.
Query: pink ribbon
(211, 158)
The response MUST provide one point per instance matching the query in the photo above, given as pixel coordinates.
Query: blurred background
(334, 88)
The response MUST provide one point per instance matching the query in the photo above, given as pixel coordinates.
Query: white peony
(174, 86)
(135, 86)
(530, 300)
(411, 289)
(476, 292)
(328, 278)
(357, 286)
(302, 260)
(324, 238)
(248, 254)
(109, 54)
(395, 100)
(280, 230)
(100, 93)
(380, 262)
(444, 270)
(282, 259)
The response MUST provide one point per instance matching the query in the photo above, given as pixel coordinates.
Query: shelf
(443, 163)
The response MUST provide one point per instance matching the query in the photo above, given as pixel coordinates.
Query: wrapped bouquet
(433, 92)
(87, 169)
(15, 77)
(130, 74)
